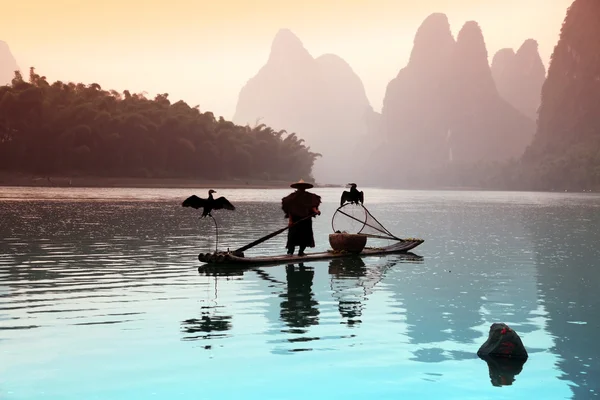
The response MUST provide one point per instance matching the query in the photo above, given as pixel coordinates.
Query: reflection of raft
(229, 258)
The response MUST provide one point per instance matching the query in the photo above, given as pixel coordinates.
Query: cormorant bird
(208, 204)
(353, 196)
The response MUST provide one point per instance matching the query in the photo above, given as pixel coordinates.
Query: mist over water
(100, 297)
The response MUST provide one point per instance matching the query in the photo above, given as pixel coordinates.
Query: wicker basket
(350, 242)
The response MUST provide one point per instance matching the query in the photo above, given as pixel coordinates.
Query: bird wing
(222, 202)
(361, 196)
(345, 197)
(194, 202)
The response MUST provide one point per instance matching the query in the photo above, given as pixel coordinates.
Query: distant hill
(322, 100)
(483, 126)
(443, 110)
(8, 64)
(519, 77)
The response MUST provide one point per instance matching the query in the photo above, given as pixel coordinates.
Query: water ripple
(100, 284)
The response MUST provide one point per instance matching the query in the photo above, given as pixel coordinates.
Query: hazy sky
(203, 52)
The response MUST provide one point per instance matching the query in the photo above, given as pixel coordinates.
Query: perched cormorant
(353, 196)
(208, 204)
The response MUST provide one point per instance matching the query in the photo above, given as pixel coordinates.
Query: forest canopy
(82, 130)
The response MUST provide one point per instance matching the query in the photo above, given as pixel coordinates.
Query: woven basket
(350, 242)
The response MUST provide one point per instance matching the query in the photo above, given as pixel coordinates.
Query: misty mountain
(443, 109)
(414, 120)
(519, 77)
(8, 64)
(565, 153)
(322, 100)
(483, 126)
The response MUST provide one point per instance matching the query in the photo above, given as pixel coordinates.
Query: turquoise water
(101, 298)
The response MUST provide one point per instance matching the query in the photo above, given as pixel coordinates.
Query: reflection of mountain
(565, 240)
(478, 282)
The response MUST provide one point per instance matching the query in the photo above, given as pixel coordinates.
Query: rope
(217, 234)
(216, 230)
(376, 220)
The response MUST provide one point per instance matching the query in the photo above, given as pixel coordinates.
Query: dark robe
(299, 205)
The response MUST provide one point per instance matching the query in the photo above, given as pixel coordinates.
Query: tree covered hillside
(565, 153)
(76, 129)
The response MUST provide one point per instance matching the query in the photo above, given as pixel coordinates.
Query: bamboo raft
(236, 258)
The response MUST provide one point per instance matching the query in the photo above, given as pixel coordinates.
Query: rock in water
(503, 342)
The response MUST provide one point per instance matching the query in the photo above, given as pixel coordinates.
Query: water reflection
(293, 308)
(345, 273)
(299, 308)
(208, 326)
(70, 270)
(212, 322)
(223, 271)
(566, 241)
(352, 282)
(503, 370)
(353, 267)
(483, 273)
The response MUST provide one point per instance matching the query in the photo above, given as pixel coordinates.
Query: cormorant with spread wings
(353, 196)
(208, 204)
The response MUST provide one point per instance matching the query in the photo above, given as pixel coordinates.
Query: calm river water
(101, 298)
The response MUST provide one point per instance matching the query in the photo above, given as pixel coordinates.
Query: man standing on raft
(300, 206)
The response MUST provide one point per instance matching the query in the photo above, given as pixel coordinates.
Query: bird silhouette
(353, 196)
(209, 204)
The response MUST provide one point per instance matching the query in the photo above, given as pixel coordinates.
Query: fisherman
(300, 206)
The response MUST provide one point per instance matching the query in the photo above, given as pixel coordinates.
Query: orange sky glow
(204, 51)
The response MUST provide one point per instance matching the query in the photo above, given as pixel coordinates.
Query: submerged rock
(503, 342)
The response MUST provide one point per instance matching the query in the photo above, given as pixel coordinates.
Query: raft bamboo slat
(230, 258)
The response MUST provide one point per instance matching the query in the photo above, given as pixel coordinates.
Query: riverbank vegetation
(74, 129)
